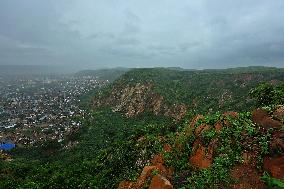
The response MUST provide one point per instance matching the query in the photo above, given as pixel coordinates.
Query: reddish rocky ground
(246, 175)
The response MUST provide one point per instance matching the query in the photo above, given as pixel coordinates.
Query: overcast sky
(142, 33)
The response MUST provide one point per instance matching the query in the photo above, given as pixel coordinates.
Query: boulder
(261, 117)
(147, 171)
(160, 182)
(275, 166)
(158, 162)
(158, 159)
(202, 156)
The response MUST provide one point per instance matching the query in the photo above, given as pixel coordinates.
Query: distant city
(37, 108)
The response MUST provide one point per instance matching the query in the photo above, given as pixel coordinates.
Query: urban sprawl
(38, 108)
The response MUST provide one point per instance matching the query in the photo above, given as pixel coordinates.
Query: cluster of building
(36, 108)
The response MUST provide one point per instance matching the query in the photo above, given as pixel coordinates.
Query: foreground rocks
(157, 173)
(262, 118)
(160, 182)
(202, 156)
(246, 174)
(275, 166)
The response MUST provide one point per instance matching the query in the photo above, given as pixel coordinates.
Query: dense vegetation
(204, 90)
(107, 153)
(112, 148)
(266, 95)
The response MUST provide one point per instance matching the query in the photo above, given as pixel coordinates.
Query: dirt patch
(246, 177)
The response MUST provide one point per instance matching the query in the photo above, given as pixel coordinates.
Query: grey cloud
(96, 33)
(186, 46)
(164, 50)
(127, 41)
(130, 29)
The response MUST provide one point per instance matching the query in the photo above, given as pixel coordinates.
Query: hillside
(166, 128)
(230, 150)
(175, 92)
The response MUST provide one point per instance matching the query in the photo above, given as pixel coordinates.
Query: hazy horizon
(43, 69)
(95, 34)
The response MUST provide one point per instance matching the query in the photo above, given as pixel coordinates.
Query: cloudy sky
(142, 33)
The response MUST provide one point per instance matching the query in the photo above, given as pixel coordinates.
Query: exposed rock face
(247, 174)
(202, 156)
(132, 100)
(218, 127)
(261, 117)
(147, 171)
(279, 113)
(156, 103)
(125, 185)
(158, 159)
(176, 111)
(275, 166)
(160, 182)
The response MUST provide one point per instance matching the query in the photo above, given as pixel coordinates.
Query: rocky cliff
(138, 98)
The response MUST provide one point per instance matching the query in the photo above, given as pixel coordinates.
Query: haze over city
(93, 34)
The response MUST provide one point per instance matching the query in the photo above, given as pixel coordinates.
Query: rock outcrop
(247, 172)
(157, 173)
(202, 156)
(132, 100)
(262, 118)
(160, 182)
(275, 166)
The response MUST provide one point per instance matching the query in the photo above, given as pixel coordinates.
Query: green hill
(199, 91)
